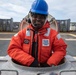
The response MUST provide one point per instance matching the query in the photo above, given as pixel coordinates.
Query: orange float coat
(51, 47)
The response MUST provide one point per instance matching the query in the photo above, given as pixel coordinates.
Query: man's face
(37, 20)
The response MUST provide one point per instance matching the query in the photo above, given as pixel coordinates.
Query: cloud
(62, 9)
(17, 9)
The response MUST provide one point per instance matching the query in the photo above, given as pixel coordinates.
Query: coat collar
(41, 30)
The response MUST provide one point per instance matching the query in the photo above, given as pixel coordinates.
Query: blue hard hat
(40, 7)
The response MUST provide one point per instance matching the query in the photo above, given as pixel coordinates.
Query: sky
(18, 9)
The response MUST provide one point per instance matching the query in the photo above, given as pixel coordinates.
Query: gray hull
(69, 64)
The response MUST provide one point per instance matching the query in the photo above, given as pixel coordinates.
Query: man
(37, 45)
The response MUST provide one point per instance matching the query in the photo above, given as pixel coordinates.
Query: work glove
(34, 64)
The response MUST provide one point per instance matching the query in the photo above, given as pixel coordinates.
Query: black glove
(34, 64)
(44, 65)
